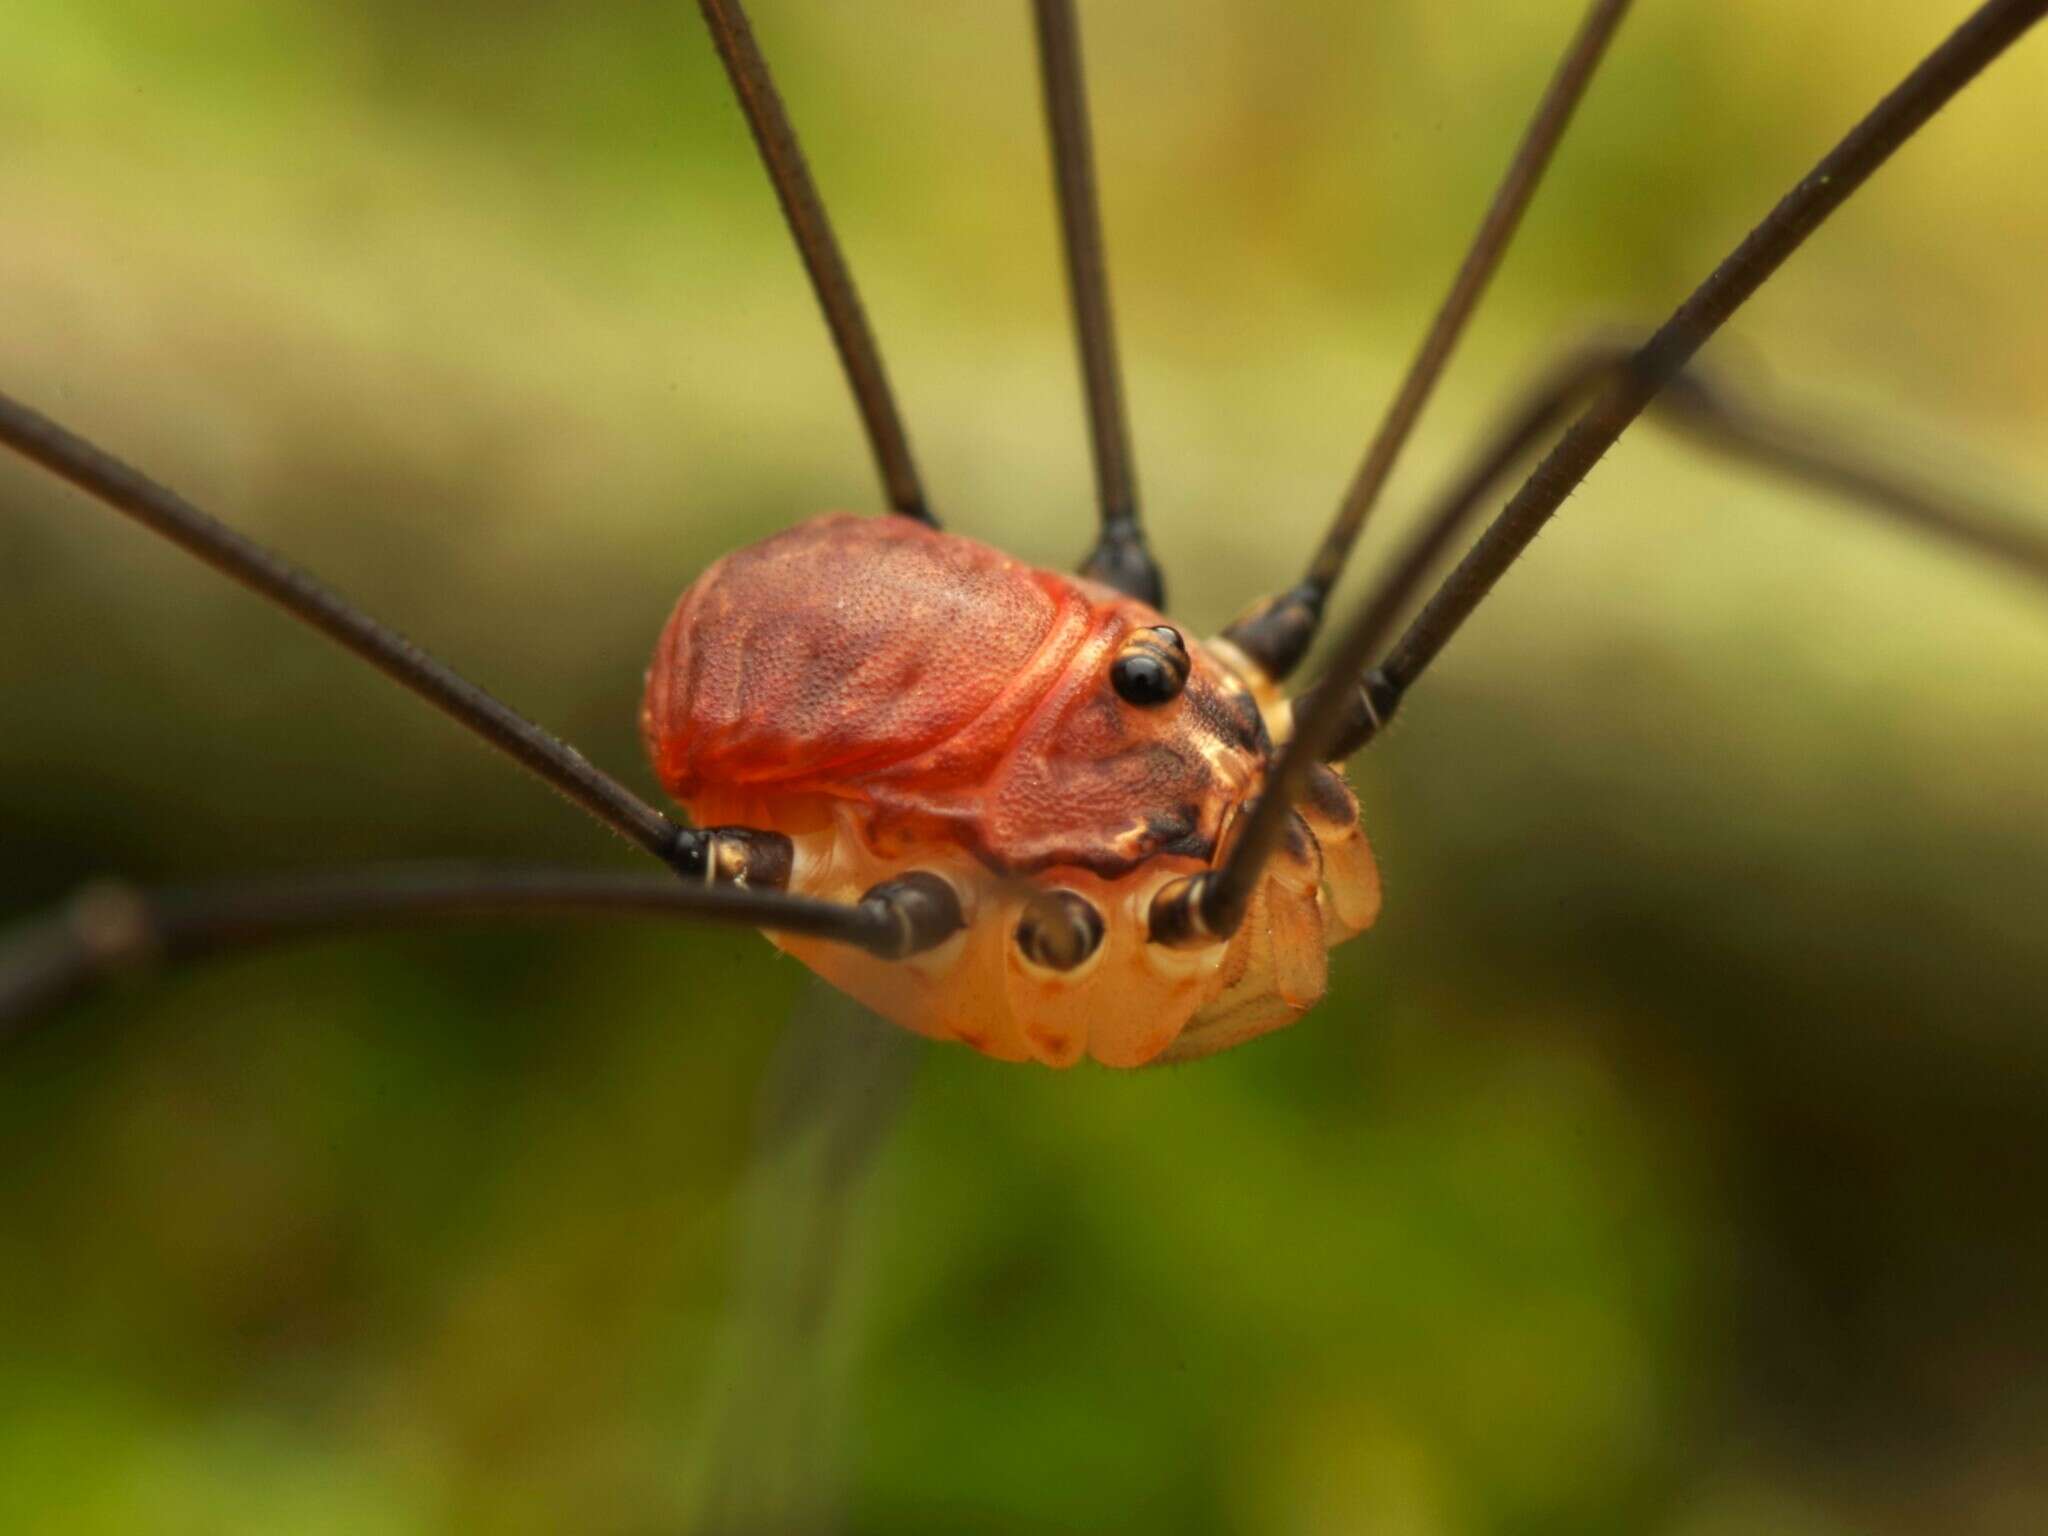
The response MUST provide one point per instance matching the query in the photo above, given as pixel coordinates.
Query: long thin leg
(1751, 433)
(99, 474)
(1276, 634)
(108, 929)
(1706, 412)
(1202, 906)
(822, 258)
(1540, 414)
(1120, 557)
(1980, 39)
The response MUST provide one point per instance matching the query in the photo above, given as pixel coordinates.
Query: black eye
(1143, 680)
(1152, 667)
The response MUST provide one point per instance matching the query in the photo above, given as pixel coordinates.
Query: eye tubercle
(1152, 667)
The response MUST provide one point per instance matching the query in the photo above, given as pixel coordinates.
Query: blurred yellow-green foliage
(1671, 1157)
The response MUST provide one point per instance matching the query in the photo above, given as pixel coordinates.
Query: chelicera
(1004, 805)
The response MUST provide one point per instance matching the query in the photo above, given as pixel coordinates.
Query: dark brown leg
(161, 510)
(112, 929)
(815, 242)
(1709, 413)
(1120, 558)
(1219, 897)
(1276, 633)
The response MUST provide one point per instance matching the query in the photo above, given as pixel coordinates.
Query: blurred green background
(1671, 1158)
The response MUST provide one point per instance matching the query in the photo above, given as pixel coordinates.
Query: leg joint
(734, 856)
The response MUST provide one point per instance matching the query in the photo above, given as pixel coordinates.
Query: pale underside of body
(1132, 1002)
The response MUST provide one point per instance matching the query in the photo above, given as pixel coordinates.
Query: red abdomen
(845, 646)
(945, 687)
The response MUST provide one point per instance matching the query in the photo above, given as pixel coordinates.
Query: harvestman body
(996, 803)
(1025, 736)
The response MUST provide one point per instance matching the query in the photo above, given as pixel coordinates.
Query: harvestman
(996, 803)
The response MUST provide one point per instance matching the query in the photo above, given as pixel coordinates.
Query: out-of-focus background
(1669, 1159)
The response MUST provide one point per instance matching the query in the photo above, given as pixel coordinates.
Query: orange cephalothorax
(896, 698)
